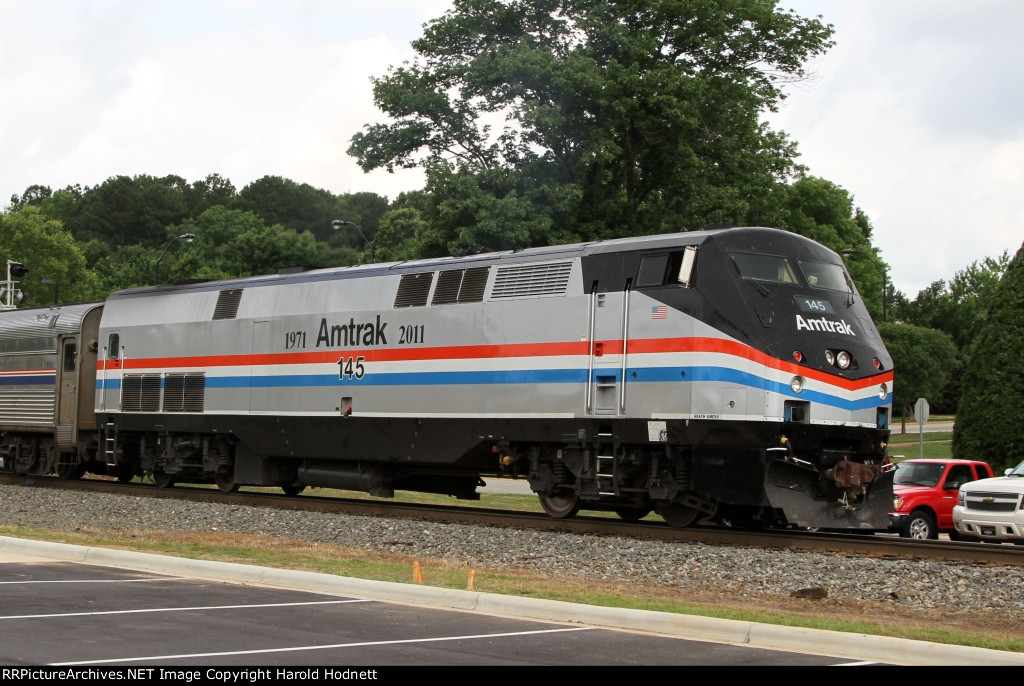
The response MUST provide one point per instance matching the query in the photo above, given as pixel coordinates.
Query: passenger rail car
(732, 375)
(47, 383)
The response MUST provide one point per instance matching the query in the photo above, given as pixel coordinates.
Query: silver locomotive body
(731, 375)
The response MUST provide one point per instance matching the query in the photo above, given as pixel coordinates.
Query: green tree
(202, 195)
(125, 266)
(33, 196)
(922, 359)
(959, 308)
(232, 243)
(49, 252)
(988, 419)
(127, 210)
(401, 235)
(64, 205)
(616, 118)
(296, 206)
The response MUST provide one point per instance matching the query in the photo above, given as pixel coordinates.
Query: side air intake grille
(531, 280)
(413, 290)
(140, 393)
(184, 392)
(227, 304)
(460, 286)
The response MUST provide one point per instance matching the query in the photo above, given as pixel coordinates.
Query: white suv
(992, 509)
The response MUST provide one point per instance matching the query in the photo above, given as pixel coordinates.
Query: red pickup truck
(924, 493)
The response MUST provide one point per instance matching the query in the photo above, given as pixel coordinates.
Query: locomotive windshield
(770, 268)
(776, 269)
(825, 275)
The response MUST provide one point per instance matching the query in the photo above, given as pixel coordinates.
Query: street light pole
(851, 251)
(338, 223)
(56, 287)
(156, 270)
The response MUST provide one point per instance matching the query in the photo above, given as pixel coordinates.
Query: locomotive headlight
(796, 384)
(830, 357)
(843, 359)
(883, 392)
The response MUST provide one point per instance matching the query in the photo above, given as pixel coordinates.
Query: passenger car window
(69, 356)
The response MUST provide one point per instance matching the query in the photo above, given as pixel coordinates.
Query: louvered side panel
(65, 436)
(26, 407)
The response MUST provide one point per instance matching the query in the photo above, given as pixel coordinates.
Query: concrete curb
(863, 647)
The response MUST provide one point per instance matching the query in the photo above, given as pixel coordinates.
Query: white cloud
(915, 112)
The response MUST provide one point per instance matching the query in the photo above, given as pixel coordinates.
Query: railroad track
(847, 544)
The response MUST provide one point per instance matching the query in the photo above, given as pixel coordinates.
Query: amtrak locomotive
(729, 375)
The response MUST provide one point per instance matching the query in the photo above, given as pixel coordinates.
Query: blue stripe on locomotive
(534, 376)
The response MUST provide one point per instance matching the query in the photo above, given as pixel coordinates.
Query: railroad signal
(9, 292)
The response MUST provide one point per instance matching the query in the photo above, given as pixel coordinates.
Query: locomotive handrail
(625, 344)
(103, 379)
(590, 357)
(120, 386)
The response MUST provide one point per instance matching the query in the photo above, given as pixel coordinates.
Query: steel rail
(808, 541)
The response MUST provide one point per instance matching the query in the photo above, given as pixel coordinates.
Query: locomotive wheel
(632, 514)
(125, 472)
(293, 490)
(561, 503)
(70, 472)
(678, 515)
(162, 479)
(225, 481)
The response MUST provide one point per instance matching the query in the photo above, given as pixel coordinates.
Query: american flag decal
(659, 312)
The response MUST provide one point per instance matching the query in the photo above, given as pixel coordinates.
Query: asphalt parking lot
(74, 614)
(68, 605)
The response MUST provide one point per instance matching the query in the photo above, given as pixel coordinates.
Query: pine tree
(989, 422)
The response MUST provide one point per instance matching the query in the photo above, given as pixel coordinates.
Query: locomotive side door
(112, 378)
(258, 389)
(609, 319)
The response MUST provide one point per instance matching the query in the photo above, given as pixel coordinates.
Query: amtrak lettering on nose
(823, 324)
(344, 335)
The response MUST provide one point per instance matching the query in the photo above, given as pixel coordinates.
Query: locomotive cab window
(770, 268)
(824, 275)
(112, 350)
(665, 269)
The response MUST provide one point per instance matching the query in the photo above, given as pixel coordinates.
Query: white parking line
(84, 581)
(470, 637)
(181, 609)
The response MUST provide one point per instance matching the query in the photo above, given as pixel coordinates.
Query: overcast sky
(917, 111)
